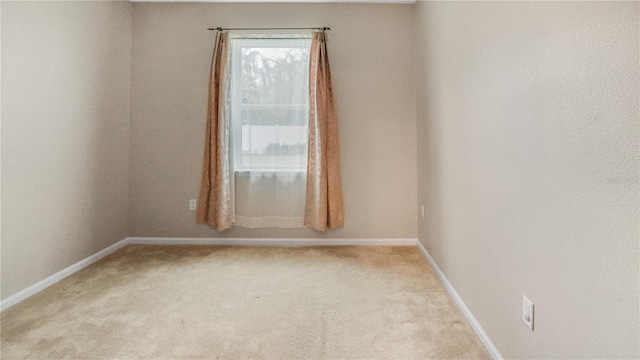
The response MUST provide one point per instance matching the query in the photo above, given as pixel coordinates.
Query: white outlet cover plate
(527, 312)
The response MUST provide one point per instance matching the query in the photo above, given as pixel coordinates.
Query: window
(269, 103)
(260, 133)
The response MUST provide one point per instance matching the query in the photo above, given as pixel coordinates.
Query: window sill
(265, 173)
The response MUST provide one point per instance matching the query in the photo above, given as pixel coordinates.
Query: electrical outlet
(527, 312)
(422, 210)
(192, 204)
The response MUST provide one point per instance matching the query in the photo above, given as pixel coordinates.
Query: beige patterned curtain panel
(323, 208)
(214, 202)
(324, 204)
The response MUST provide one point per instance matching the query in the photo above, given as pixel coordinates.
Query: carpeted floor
(223, 302)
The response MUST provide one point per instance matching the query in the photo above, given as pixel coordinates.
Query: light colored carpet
(223, 302)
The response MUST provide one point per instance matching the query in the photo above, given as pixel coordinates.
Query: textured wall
(374, 83)
(65, 134)
(528, 166)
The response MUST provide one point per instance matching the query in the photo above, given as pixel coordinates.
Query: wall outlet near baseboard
(192, 204)
(527, 312)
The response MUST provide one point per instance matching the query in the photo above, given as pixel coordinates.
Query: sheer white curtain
(269, 124)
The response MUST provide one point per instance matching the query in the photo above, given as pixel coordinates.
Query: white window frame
(237, 44)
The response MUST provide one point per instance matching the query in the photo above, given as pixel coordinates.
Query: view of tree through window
(270, 103)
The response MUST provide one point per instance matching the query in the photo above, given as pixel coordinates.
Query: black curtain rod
(269, 28)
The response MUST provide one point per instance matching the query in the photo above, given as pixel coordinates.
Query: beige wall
(65, 134)
(374, 84)
(528, 166)
(527, 145)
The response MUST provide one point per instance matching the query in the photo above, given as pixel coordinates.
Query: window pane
(270, 104)
(274, 75)
(274, 147)
(274, 115)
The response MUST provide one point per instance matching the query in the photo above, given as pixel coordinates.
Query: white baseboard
(43, 284)
(475, 325)
(272, 242)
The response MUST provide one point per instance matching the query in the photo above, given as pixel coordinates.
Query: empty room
(319, 179)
